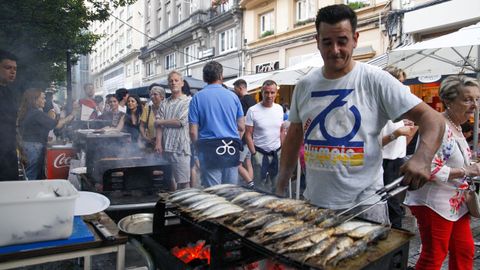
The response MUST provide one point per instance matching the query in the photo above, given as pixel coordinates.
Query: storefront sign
(429, 79)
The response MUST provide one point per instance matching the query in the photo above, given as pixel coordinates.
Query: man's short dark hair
(269, 82)
(240, 83)
(121, 93)
(212, 71)
(98, 99)
(336, 13)
(7, 55)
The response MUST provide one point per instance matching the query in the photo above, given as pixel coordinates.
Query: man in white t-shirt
(264, 135)
(339, 110)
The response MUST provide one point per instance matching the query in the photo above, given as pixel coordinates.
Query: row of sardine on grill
(290, 227)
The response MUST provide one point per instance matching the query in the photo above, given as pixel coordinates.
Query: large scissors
(225, 148)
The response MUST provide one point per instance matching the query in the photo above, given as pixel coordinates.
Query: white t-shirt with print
(267, 123)
(342, 119)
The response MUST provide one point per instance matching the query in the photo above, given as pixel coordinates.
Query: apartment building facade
(114, 62)
(282, 33)
(182, 35)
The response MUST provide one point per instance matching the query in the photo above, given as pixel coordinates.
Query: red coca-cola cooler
(57, 161)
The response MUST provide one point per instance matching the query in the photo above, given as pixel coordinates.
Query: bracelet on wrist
(465, 174)
(392, 137)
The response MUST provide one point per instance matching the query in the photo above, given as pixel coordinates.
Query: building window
(121, 42)
(129, 37)
(129, 12)
(169, 19)
(179, 10)
(150, 68)
(170, 61)
(266, 22)
(227, 40)
(191, 53)
(136, 67)
(226, 7)
(193, 5)
(147, 12)
(129, 70)
(304, 10)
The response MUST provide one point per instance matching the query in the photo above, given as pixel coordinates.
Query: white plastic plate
(89, 203)
(79, 170)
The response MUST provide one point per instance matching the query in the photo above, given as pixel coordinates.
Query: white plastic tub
(39, 210)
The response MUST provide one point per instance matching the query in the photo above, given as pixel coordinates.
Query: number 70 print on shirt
(322, 149)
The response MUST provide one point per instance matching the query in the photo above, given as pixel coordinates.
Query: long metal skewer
(384, 189)
(383, 199)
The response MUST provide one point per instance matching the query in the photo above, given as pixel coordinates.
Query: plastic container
(38, 210)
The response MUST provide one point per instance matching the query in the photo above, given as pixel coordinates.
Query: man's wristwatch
(392, 137)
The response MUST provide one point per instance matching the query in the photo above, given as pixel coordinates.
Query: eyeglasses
(471, 101)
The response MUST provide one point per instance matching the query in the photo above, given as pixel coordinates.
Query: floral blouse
(444, 196)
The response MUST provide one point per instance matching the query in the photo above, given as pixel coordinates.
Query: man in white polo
(264, 135)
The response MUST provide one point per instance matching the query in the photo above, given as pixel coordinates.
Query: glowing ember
(192, 252)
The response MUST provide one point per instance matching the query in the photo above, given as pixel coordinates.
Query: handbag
(471, 199)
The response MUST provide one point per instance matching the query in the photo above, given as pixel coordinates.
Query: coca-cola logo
(61, 161)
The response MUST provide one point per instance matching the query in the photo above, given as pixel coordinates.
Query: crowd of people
(351, 123)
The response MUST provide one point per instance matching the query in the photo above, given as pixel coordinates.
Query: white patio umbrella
(454, 53)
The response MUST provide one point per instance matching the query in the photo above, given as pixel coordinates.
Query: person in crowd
(132, 117)
(89, 100)
(245, 169)
(122, 97)
(216, 126)
(100, 105)
(439, 206)
(264, 135)
(50, 104)
(286, 111)
(395, 136)
(339, 111)
(107, 106)
(467, 130)
(113, 114)
(186, 89)
(34, 128)
(8, 110)
(173, 139)
(147, 120)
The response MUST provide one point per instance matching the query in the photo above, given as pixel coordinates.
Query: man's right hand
(416, 173)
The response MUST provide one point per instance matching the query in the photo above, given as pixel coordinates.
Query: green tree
(40, 32)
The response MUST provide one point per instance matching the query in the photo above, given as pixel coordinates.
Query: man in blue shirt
(216, 126)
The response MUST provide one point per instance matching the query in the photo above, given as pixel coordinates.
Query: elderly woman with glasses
(147, 120)
(439, 206)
